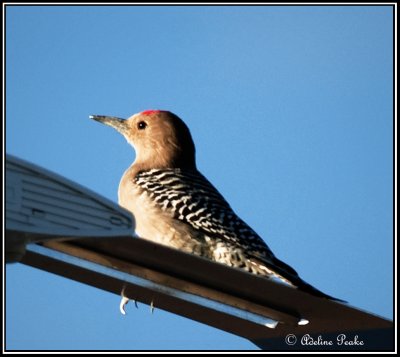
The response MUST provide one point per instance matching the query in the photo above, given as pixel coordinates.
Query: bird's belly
(158, 226)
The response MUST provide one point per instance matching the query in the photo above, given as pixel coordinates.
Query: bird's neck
(138, 166)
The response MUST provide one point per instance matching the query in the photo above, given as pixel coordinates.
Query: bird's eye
(142, 125)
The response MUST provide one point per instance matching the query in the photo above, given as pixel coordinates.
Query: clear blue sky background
(291, 111)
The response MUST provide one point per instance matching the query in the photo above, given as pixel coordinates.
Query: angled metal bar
(228, 299)
(132, 282)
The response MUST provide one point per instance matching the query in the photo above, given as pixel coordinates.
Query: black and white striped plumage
(175, 205)
(189, 197)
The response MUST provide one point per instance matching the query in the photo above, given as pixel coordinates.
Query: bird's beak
(117, 123)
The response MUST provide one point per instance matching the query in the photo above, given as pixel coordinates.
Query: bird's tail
(290, 275)
(303, 286)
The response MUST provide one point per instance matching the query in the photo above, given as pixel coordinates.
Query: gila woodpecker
(175, 205)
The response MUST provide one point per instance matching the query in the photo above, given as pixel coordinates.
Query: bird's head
(160, 138)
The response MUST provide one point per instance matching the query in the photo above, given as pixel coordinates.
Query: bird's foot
(123, 303)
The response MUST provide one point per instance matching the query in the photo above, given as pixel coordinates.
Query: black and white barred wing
(189, 197)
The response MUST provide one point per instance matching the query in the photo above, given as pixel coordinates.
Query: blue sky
(291, 112)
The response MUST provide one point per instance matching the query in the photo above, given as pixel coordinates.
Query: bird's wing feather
(189, 197)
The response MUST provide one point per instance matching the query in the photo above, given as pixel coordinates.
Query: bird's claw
(123, 303)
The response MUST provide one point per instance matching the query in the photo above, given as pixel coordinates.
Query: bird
(174, 204)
